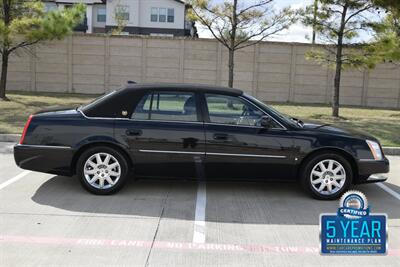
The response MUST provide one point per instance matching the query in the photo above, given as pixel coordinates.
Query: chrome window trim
(193, 122)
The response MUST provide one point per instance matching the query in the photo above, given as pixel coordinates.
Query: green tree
(120, 17)
(339, 23)
(385, 46)
(25, 23)
(239, 24)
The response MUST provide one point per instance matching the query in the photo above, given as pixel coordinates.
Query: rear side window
(167, 106)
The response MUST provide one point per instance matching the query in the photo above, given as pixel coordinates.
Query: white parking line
(199, 234)
(389, 190)
(14, 179)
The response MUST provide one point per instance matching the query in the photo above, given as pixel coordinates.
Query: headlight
(375, 149)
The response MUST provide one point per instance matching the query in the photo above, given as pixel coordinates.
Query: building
(149, 17)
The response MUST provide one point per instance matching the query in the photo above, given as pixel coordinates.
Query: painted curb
(392, 151)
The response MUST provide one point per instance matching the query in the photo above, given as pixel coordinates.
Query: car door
(165, 135)
(238, 147)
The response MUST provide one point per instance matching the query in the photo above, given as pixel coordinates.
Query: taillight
(25, 129)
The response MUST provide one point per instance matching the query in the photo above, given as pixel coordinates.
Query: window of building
(50, 7)
(122, 12)
(162, 14)
(171, 16)
(154, 14)
(101, 14)
(167, 106)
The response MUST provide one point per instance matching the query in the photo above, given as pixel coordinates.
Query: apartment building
(148, 17)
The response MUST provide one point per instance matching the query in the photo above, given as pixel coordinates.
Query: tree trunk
(3, 80)
(335, 96)
(339, 63)
(231, 66)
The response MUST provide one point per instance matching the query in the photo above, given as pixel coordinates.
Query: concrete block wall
(271, 71)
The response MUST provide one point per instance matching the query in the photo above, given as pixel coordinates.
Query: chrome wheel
(328, 177)
(102, 170)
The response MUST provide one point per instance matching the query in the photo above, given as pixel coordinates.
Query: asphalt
(48, 220)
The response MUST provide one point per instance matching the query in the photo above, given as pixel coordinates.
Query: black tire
(308, 166)
(124, 170)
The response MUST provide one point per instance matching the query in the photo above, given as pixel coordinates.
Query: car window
(232, 110)
(168, 106)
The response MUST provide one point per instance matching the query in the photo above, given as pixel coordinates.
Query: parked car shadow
(227, 202)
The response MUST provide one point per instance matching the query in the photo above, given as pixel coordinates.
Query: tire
(314, 177)
(105, 177)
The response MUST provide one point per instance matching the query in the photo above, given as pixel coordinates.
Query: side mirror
(266, 122)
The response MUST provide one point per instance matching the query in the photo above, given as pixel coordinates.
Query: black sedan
(199, 132)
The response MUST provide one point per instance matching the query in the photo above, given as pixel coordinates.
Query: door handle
(134, 132)
(220, 137)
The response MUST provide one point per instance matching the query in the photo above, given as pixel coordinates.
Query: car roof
(184, 87)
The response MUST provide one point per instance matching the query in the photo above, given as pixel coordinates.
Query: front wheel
(326, 176)
(102, 170)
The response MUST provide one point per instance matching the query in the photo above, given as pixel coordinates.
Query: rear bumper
(49, 159)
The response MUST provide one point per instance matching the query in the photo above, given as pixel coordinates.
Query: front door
(165, 135)
(238, 147)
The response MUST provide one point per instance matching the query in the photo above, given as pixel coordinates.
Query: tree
(120, 17)
(386, 44)
(25, 23)
(239, 24)
(339, 22)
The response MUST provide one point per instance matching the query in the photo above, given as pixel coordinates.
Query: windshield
(276, 113)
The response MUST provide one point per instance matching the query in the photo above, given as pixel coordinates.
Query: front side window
(101, 14)
(167, 106)
(232, 110)
(171, 15)
(162, 14)
(154, 14)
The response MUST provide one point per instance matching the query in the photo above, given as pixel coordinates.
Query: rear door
(165, 134)
(238, 147)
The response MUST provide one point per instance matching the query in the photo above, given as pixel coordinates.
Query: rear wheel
(102, 170)
(326, 176)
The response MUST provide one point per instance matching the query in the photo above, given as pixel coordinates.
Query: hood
(337, 130)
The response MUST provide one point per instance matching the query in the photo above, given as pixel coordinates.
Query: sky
(296, 33)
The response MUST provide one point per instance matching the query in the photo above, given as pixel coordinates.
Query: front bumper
(373, 171)
(48, 159)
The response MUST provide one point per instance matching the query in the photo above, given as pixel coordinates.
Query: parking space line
(14, 179)
(199, 234)
(389, 190)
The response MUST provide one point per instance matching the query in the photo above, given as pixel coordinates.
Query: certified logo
(353, 205)
(353, 229)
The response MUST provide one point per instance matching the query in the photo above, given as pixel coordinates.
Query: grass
(383, 124)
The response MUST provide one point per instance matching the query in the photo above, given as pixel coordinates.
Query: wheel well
(91, 145)
(343, 153)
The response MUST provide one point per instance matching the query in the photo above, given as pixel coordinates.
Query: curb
(10, 138)
(391, 151)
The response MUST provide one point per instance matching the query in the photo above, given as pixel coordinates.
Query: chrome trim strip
(369, 160)
(210, 153)
(45, 146)
(171, 152)
(246, 155)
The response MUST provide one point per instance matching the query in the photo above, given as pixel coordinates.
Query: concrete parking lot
(49, 220)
